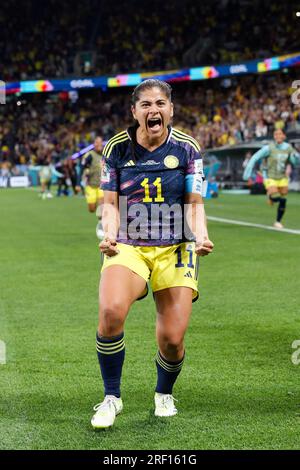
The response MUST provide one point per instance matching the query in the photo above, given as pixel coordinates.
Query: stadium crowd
(98, 37)
(217, 113)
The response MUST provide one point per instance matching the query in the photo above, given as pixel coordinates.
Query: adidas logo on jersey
(130, 163)
(188, 274)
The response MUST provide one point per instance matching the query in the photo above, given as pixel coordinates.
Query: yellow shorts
(282, 183)
(163, 266)
(92, 194)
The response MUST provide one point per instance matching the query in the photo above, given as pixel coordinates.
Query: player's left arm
(294, 157)
(194, 204)
(196, 219)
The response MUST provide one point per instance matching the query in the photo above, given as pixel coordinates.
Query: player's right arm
(110, 214)
(256, 157)
(110, 223)
(86, 161)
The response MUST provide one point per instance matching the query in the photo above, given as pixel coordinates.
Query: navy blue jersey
(154, 184)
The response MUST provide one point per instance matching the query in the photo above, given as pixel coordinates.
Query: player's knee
(111, 318)
(92, 207)
(173, 343)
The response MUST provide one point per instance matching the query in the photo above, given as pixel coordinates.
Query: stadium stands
(222, 113)
(101, 37)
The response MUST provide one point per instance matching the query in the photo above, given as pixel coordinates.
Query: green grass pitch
(238, 389)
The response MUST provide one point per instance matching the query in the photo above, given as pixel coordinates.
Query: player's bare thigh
(272, 190)
(174, 307)
(119, 288)
(283, 191)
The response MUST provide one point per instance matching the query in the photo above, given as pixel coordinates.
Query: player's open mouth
(154, 124)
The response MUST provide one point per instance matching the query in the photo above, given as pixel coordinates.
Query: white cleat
(49, 196)
(278, 225)
(106, 412)
(164, 405)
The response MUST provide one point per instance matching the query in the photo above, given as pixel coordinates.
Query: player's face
(153, 111)
(279, 136)
(98, 144)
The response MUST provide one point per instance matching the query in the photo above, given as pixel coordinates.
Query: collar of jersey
(131, 131)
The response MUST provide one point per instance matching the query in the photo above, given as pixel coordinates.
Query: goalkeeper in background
(280, 157)
(91, 168)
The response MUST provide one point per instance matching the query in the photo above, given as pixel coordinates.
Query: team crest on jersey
(171, 162)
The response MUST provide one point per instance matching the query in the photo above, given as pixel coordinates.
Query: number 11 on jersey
(157, 184)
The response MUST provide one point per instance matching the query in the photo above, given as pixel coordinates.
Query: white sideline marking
(2, 353)
(249, 224)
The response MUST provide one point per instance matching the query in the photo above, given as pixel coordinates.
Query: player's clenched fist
(108, 247)
(204, 248)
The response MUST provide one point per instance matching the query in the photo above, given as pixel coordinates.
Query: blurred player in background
(71, 175)
(91, 166)
(279, 158)
(62, 182)
(149, 163)
(46, 171)
(45, 174)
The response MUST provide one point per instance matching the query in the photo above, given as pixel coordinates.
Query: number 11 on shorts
(179, 263)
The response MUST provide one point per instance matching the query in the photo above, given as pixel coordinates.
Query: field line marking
(2, 352)
(2, 343)
(249, 224)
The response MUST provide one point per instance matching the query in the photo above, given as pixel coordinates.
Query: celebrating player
(279, 157)
(149, 164)
(91, 165)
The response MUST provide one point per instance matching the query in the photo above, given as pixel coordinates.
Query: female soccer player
(91, 166)
(150, 172)
(279, 156)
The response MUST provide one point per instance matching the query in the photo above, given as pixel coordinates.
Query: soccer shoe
(49, 196)
(278, 225)
(106, 412)
(164, 405)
